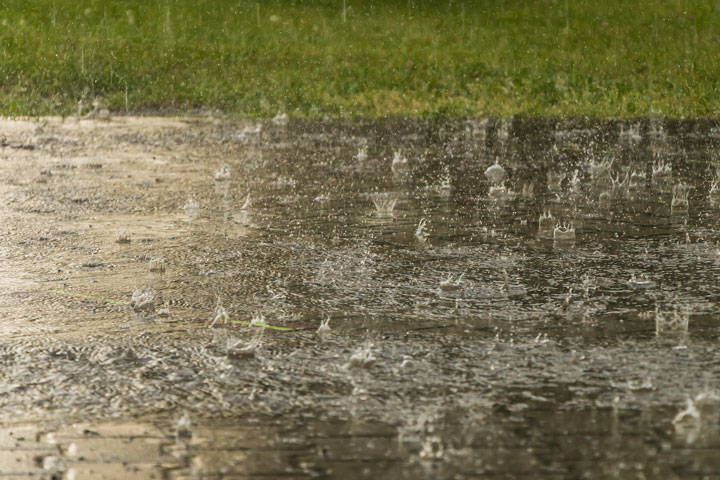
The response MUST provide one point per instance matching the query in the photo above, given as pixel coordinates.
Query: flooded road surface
(193, 298)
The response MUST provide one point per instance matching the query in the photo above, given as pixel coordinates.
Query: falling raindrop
(495, 173)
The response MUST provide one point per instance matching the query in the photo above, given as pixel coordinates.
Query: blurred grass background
(356, 58)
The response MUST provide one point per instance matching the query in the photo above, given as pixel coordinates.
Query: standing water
(159, 323)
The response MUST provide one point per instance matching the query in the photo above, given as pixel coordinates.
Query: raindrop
(247, 204)
(495, 173)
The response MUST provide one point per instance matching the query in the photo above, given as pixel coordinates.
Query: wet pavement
(501, 298)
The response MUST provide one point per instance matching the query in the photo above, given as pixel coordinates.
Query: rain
(239, 242)
(415, 327)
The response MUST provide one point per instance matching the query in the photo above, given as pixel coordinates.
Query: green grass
(411, 57)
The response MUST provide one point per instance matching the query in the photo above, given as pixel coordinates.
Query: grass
(358, 58)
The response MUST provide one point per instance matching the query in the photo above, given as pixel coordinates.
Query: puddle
(510, 299)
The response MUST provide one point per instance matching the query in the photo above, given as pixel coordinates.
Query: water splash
(637, 178)
(361, 155)
(641, 281)
(220, 315)
(191, 205)
(555, 180)
(324, 330)
(445, 182)
(281, 119)
(588, 285)
(157, 264)
(452, 283)
(238, 349)
(600, 170)
(690, 413)
(564, 232)
(257, 320)
(123, 236)
(322, 198)
(631, 134)
(249, 133)
(528, 190)
(546, 224)
(384, 203)
(680, 203)
(477, 128)
(604, 200)
(143, 301)
(575, 182)
(500, 193)
(362, 358)
(224, 174)
(620, 185)
(668, 323)
(700, 411)
(400, 163)
(714, 193)
(420, 232)
(661, 172)
(657, 131)
(567, 300)
(164, 312)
